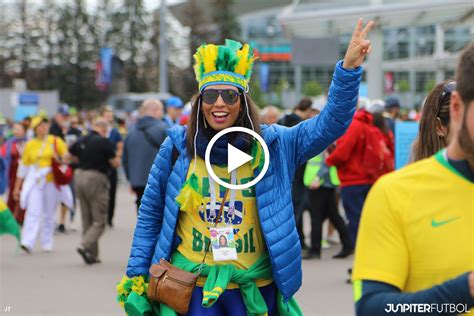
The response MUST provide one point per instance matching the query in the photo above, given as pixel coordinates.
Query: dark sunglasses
(229, 96)
(448, 88)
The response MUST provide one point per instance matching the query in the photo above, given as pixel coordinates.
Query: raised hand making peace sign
(359, 46)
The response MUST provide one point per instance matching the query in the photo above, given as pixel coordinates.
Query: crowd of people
(94, 144)
(339, 156)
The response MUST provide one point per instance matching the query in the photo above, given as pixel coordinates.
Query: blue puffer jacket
(155, 233)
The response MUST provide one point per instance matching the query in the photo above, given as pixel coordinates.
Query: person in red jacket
(12, 151)
(357, 153)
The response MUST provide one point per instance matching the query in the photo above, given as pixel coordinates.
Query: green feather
(193, 182)
(233, 45)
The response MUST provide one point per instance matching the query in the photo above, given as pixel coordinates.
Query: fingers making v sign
(359, 46)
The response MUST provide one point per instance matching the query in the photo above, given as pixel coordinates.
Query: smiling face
(220, 115)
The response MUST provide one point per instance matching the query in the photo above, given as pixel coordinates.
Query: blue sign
(264, 77)
(106, 55)
(364, 90)
(23, 111)
(405, 134)
(28, 98)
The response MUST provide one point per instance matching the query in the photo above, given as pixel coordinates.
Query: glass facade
(265, 34)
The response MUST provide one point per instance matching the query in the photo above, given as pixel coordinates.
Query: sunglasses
(229, 96)
(448, 88)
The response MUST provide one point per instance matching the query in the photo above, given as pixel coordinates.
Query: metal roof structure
(240, 7)
(311, 20)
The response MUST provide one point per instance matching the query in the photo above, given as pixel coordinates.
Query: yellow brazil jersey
(193, 226)
(417, 227)
(41, 152)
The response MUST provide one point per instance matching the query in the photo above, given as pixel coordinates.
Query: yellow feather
(244, 61)
(197, 63)
(210, 56)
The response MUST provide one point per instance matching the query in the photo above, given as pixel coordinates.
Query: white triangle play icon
(236, 158)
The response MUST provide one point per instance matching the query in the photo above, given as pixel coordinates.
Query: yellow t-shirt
(41, 152)
(417, 227)
(193, 226)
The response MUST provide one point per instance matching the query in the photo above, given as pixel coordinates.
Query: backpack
(374, 154)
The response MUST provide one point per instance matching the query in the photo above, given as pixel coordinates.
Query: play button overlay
(236, 158)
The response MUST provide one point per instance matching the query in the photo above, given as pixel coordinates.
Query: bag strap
(221, 209)
(40, 152)
(55, 145)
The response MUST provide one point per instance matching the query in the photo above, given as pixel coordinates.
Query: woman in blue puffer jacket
(264, 239)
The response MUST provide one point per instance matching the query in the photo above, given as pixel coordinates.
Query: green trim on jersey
(439, 156)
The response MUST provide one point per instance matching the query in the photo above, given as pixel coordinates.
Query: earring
(204, 120)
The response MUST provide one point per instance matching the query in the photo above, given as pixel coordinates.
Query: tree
(48, 17)
(403, 86)
(23, 56)
(225, 20)
(6, 51)
(135, 33)
(199, 27)
(199, 34)
(312, 89)
(78, 56)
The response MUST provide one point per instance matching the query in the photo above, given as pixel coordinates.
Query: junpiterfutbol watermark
(444, 308)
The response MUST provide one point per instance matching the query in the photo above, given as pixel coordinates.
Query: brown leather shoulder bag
(172, 286)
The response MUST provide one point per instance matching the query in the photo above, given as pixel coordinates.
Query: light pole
(163, 49)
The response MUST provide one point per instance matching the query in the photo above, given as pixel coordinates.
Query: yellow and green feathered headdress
(224, 64)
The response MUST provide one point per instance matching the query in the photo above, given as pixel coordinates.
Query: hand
(471, 284)
(315, 184)
(358, 47)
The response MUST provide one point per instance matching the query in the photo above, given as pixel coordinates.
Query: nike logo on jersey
(435, 223)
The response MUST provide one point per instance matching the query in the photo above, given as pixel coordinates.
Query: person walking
(174, 110)
(95, 154)
(392, 112)
(270, 114)
(11, 152)
(115, 138)
(302, 111)
(59, 128)
(415, 252)
(360, 159)
(434, 132)
(141, 146)
(35, 187)
(322, 182)
(181, 200)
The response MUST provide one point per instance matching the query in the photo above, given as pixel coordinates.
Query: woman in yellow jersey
(255, 268)
(35, 188)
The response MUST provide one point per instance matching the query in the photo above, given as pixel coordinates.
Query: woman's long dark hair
(242, 119)
(429, 142)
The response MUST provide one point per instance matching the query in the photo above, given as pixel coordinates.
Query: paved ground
(59, 283)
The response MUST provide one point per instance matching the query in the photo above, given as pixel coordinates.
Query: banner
(106, 55)
(103, 69)
(405, 134)
(264, 77)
